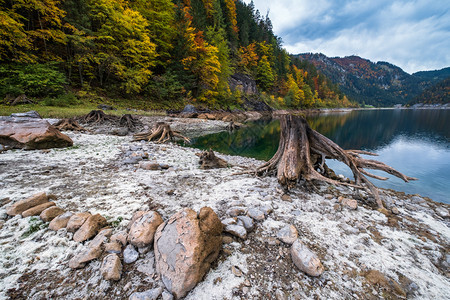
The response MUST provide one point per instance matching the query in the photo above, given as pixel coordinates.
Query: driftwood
(302, 152)
(97, 116)
(160, 133)
(208, 160)
(69, 125)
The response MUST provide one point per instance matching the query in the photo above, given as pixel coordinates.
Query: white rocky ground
(95, 175)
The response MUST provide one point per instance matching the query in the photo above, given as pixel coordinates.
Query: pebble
(288, 234)
(236, 211)
(130, 255)
(395, 210)
(306, 260)
(151, 294)
(247, 222)
(286, 197)
(236, 230)
(229, 221)
(113, 247)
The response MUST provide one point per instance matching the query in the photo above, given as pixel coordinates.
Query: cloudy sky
(412, 34)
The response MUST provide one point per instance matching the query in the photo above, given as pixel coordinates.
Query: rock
(395, 210)
(152, 294)
(185, 247)
(111, 268)
(377, 278)
(229, 221)
(280, 295)
(349, 203)
(286, 197)
(166, 295)
(77, 220)
(29, 134)
(236, 211)
(130, 255)
(247, 222)
(147, 265)
(442, 212)
(89, 228)
(36, 210)
(50, 213)
(236, 230)
(227, 239)
(244, 83)
(146, 165)
(135, 216)
(122, 131)
(189, 109)
(60, 221)
(91, 252)
(306, 260)
(105, 107)
(113, 247)
(143, 229)
(288, 234)
(120, 237)
(256, 214)
(19, 207)
(29, 114)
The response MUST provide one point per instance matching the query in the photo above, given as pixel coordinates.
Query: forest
(163, 53)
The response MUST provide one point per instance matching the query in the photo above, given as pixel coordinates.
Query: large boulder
(185, 247)
(31, 133)
(25, 204)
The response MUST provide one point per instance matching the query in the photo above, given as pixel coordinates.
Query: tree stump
(208, 160)
(22, 99)
(69, 125)
(302, 152)
(129, 121)
(97, 116)
(161, 133)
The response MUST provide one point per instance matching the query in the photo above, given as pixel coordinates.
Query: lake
(415, 142)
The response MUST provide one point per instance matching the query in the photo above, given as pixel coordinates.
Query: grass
(72, 111)
(36, 224)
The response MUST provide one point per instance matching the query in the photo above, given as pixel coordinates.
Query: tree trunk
(302, 152)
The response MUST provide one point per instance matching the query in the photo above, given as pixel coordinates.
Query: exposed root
(129, 121)
(160, 133)
(302, 152)
(69, 125)
(208, 160)
(97, 116)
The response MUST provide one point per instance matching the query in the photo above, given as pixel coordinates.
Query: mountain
(378, 84)
(436, 94)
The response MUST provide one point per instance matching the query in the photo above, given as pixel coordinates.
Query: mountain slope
(378, 84)
(436, 94)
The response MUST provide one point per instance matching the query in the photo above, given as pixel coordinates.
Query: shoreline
(96, 175)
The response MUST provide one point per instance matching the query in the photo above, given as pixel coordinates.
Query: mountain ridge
(376, 83)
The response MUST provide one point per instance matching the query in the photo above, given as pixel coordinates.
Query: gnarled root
(302, 152)
(129, 121)
(208, 160)
(160, 133)
(97, 116)
(69, 125)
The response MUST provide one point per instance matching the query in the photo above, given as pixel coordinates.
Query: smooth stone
(20, 206)
(152, 294)
(89, 228)
(130, 255)
(288, 234)
(306, 260)
(60, 221)
(247, 222)
(34, 211)
(236, 230)
(77, 220)
(50, 213)
(256, 214)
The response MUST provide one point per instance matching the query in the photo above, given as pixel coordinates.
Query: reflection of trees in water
(355, 130)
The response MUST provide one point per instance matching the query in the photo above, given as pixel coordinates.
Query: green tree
(265, 76)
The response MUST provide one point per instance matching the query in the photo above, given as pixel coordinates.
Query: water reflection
(416, 142)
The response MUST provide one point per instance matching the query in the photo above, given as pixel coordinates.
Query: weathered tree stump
(129, 121)
(69, 125)
(22, 99)
(97, 116)
(160, 133)
(208, 160)
(302, 152)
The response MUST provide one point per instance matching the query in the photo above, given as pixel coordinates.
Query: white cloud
(414, 35)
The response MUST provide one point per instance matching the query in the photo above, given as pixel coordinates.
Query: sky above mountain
(412, 34)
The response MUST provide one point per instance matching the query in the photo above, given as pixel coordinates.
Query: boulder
(89, 228)
(111, 268)
(185, 247)
(143, 229)
(77, 220)
(288, 234)
(189, 108)
(36, 210)
(29, 134)
(60, 221)
(50, 213)
(306, 260)
(22, 205)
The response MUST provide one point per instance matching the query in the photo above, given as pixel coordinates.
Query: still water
(415, 142)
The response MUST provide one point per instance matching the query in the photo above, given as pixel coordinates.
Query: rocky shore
(397, 253)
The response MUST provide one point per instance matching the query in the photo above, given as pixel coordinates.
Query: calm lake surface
(415, 142)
